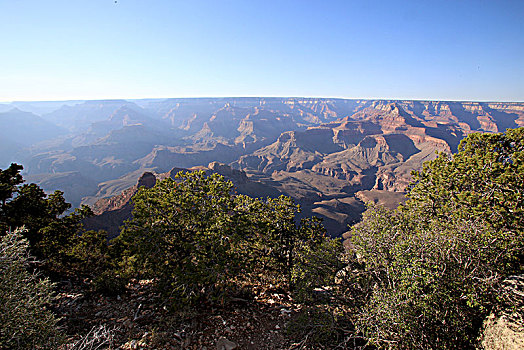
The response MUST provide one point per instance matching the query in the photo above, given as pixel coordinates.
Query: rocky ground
(139, 318)
(504, 329)
(136, 319)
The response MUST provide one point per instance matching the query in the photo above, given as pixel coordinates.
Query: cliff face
(369, 149)
(118, 202)
(110, 213)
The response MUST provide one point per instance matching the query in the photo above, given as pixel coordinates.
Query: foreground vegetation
(422, 276)
(201, 242)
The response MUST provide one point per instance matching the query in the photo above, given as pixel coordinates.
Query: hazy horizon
(261, 97)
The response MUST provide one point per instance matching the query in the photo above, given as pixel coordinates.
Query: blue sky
(420, 49)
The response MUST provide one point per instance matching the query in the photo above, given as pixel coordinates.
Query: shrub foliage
(427, 274)
(26, 321)
(54, 236)
(197, 238)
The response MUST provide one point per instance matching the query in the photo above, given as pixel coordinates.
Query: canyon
(330, 155)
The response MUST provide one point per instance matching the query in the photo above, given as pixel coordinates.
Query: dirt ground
(136, 319)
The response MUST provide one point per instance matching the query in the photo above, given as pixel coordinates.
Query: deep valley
(330, 155)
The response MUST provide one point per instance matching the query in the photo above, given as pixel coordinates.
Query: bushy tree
(484, 179)
(317, 259)
(10, 178)
(54, 236)
(181, 233)
(426, 274)
(197, 237)
(26, 322)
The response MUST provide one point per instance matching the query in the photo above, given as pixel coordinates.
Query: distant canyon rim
(330, 155)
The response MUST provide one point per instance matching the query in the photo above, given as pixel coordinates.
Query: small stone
(284, 311)
(224, 344)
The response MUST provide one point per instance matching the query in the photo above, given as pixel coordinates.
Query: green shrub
(52, 235)
(317, 259)
(429, 285)
(108, 283)
(197, 239)
(318, 328)
(26, 321)
(428, 273)
(181, 234)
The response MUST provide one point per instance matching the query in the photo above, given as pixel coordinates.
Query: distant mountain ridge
(328, 154)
